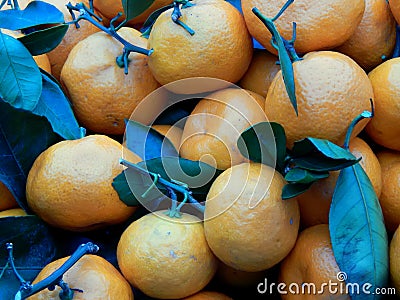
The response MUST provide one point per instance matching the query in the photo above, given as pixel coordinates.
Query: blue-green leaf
(321, 155)
(292, 190)
(33, 248)
(146, 142)
(35, 13)
(54, 105)
(134, 8)
(298, 175)
(23, 136)
(148, 24)
(43, 41)
(357, 230)
(20, 79)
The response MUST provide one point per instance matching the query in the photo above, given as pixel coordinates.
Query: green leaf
(20, 80)
(321, 155)
(357, 230)
(43, 41)
(23, 136)
(134, 8)
(147, 142)
(34, 248)
(265, 143)
(54, 105)
(148, 24)
(292, 190)
(35, 13)
(298, 175)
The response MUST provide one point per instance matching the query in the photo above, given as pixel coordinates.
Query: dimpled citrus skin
(208, 295)
(374, 37)
(166, 258)
(312, 261)
(101, 93)
(69, 184)
(331, 90)
(247, 224)
(96, 277)
(7, 200)
(316, 201)
(384, 127)
(220, 48)
(395, 8)
(216, 123)
(394, 260)
(321, 24)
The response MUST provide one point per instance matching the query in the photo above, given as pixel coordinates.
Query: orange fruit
(331, 90)
(234, 278)
(101, 94)
(220, 48)
(320, 24)
(110, 9)
(95, 277)
(13, 212)
(43, 62)
(7, 200)
(312, 261)
(166, 258)
(394, 260)
(315, 203)
(383, 127)
(374, 37)
(173, 133)
(395, 8)
(390, 161)
(212, 129)
(261, 72)
(69, 184)
(208, 295)
(247, 224)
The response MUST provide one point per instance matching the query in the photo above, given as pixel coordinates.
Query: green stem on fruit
(27, 289)
(176, 14)
(364, 115)
(181, 188)
(89, 15)
(286, 52)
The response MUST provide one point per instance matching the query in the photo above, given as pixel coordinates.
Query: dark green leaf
(20, 80)
(33, 249)
(265, 143)
(134, 8)
(23, 136)
(54, 105)
(43, 41)
(35, 13)
(146, 142)
(292, 190)
(148, 24)
(321, 155)
(298, 175)
(357, 230)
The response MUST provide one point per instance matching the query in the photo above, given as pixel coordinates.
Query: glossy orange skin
(216, 123)
(101, 93)
(311, 261)
(43, 62)
(96, 277)
(383, 127)
(331, 90)
(166, 258)
(247, 224)
(7, 200)
(69, 184)
(394, 260)
(374, 37)
(395, 8)
(220, 48)
(315, 203)
(208, 295)
(261, 72)
(320, 24)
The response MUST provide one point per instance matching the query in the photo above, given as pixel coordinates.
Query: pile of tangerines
(346, 50)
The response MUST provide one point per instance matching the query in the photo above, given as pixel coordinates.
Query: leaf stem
(176, 187)
(56, 277)
(176, 14)
(364, 115)
(88, 15)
